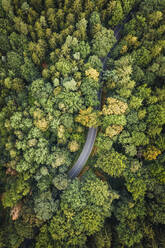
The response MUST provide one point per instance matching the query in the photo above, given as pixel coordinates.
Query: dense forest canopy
(52, 69)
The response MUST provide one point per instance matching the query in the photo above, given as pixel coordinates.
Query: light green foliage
(62, 230)
(155, 118)
(120, 77)
(70, 102)
(40, 91)
(70, 84)
(7, 6)
(60, 157)
(114, 119)
(103, 143)
(102, 42)
(127, 5)
(139, 138)
(95, 18)
(60, 182)
(89, 88)
(38, 154)
(81, 213)
(135, 102)
(81, 28)
(64, 67)
(76, 203)
(20, 26)
(44, 171)
(23, 166)
(113, 163)
(83, 48)
(95, 62)
(15, 191)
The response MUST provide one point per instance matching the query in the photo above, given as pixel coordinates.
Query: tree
(81, 28)
(14, 61)
(81, 216)
(4, 42)
(103, 238)
(95, 62)
(29, 71)
(102, 42)
(83, 48)
(92, 73)
(120, 77)
(88, 118)
(142, 56)
(73, 146)
(115, 106)
(151, 153)
(130, 215)
(113, 163)
(44, 205)
(43, 238)
(95, 18)
(103, 143)
(64, 67)
(70, 84)
(17, 189)
(60, 182)
(20, 25)
(116, 13)
(95, 23)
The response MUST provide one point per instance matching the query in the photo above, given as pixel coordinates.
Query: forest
(54, 85)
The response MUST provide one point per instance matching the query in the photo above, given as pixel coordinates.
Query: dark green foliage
(44, 206)
(29, 71)
(4, 42)
(14, 61)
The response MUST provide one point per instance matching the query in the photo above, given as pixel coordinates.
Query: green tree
(102, 42)
(29, 71)
(113, 163)
(116, 13)
(88, 118)
(14, 61)
(130, 215)
(44, 205)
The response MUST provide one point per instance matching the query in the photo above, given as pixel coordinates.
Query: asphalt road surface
(78, 166)
(92, 132)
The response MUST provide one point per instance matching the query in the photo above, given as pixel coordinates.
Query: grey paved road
(92, 132)
(76, 169)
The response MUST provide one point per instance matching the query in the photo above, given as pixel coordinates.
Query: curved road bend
(76, 169)
(92, 132)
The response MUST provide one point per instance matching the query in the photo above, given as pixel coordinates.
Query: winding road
(92, 132)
